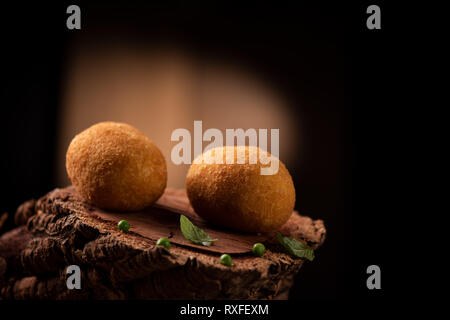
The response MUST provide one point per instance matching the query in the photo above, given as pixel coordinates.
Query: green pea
(163, 242)
(225, 259)
(258, 249)
(123, 225)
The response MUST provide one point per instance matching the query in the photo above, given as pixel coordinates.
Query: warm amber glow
(158, 91)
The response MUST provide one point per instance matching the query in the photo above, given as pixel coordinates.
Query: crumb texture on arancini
(114, 166)
(237, 195)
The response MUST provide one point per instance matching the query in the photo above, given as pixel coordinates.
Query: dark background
(321, 56)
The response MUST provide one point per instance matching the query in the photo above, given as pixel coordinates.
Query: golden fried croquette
(237, 195)
(114, 166)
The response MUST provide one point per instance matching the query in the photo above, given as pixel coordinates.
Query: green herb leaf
(296, 248)
(193, 233)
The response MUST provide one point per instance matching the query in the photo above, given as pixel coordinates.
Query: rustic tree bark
(60, 229)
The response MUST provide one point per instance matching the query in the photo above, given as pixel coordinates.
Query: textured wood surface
(61, 229)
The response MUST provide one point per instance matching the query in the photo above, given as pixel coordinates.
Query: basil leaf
(193, 233)
(296, 248)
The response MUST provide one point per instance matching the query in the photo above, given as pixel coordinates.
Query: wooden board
(163, 220)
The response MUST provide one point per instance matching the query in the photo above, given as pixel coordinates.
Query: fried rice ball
(116, 167)
(237, 195)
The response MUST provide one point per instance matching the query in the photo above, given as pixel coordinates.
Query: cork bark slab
(61, 229)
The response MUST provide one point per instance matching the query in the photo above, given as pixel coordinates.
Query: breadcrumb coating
(237, 195)
(116, 167)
